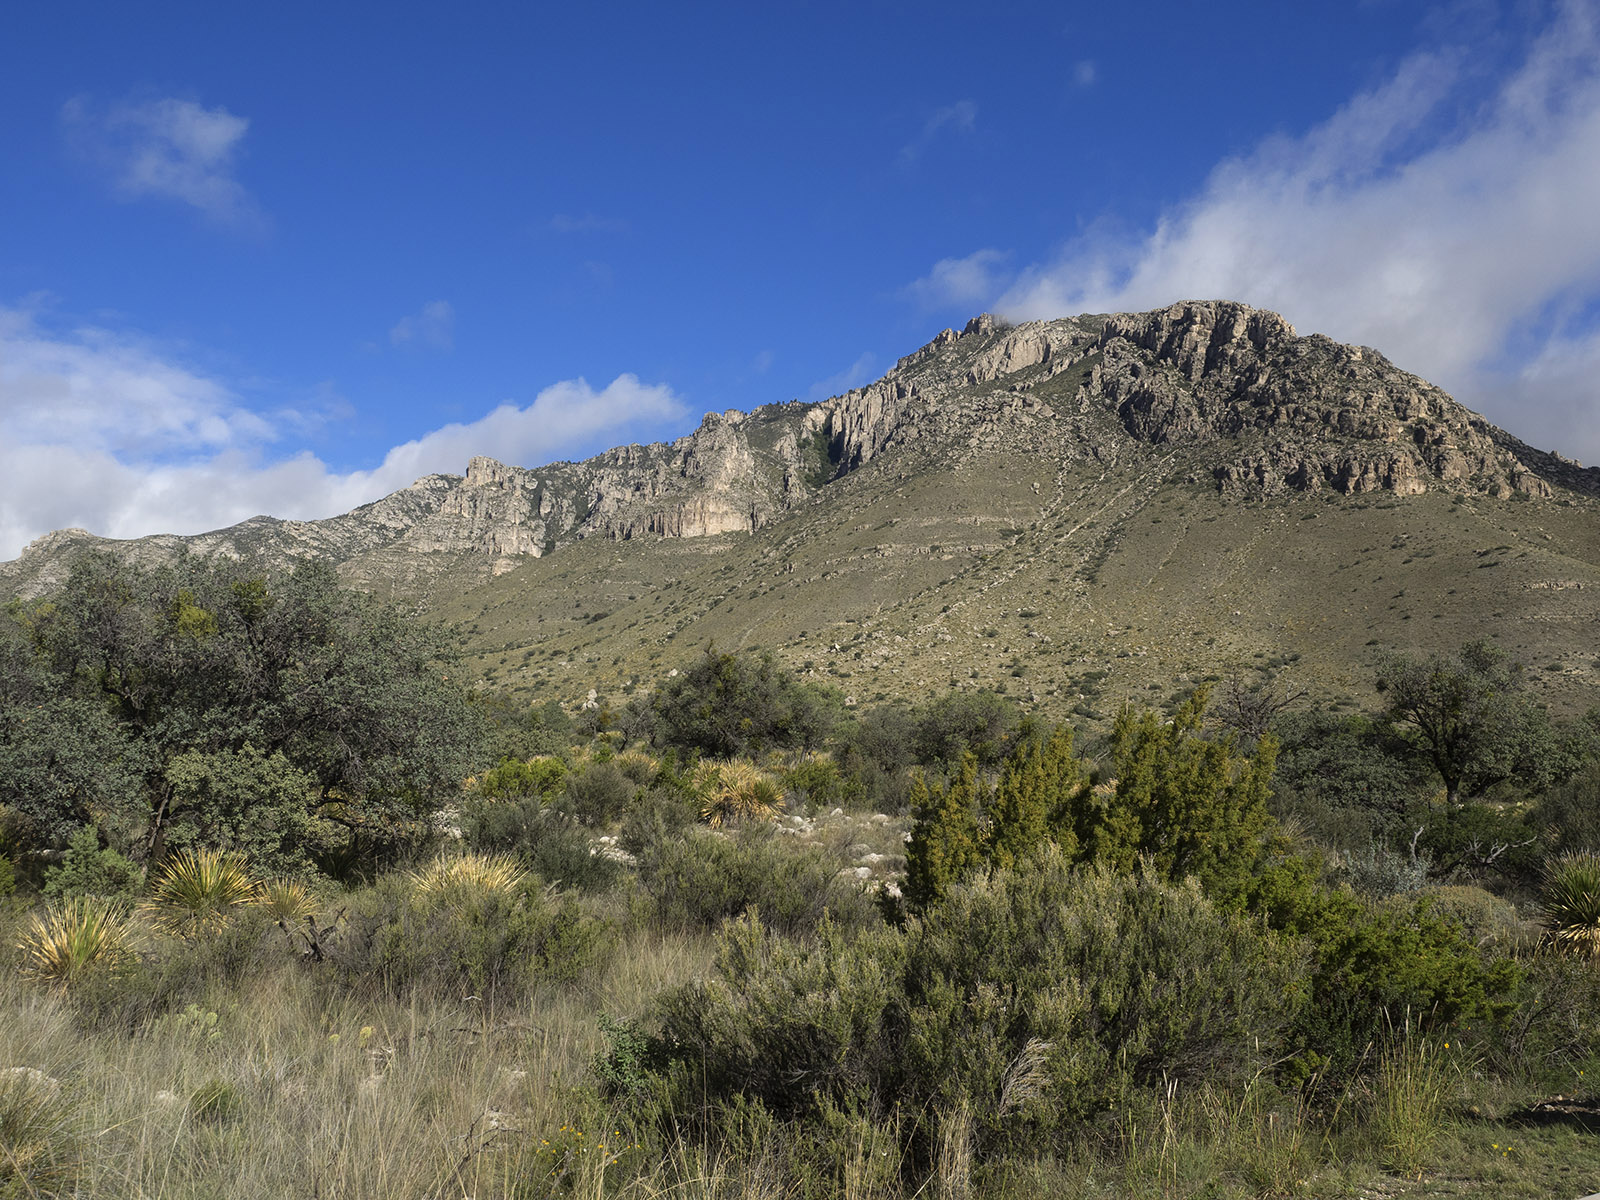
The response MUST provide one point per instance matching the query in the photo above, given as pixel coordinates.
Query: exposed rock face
(1274, 411)
(1251, 405)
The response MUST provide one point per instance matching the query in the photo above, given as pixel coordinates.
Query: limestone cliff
(1230, 393)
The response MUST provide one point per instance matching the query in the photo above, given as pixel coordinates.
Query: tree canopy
(202, 703)
(732, 704)
(1471, 718)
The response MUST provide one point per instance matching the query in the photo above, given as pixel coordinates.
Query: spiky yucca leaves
(76, 936)
(737, 790)
(461, 877)
(286, 901)
(197, 891)
(1571, 900)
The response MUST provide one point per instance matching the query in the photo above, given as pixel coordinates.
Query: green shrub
(514, 778)
(547, 840)
(598, 795)
(88, 870)
(1034, 998)
(814, 782)
(701, 879)
(981, 724)
(1372, 964)
(727, 705)
(182, 974)
(494, 945)
(1478, 840)
(1554, 1025)
(1568, 815)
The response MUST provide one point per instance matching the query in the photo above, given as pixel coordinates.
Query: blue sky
(288, 258)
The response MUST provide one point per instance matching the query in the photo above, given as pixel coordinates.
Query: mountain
(1078, 510)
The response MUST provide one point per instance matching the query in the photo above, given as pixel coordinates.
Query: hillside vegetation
(296, 913)
(1081, 511)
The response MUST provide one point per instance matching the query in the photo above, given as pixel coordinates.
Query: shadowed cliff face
(1230, 391)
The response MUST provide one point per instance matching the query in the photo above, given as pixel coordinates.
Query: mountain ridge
(1279, 413)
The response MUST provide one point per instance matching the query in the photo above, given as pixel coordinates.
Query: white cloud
(1084, 72)
(434, 327)
(963, 283)
(1465, 247)
(104, 432)
(960, 117)
(167, 147)
(110, 392)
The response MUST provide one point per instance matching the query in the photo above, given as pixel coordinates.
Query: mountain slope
(1185, 492)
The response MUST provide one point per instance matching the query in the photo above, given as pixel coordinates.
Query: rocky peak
(1201, 336)
(1224, 390)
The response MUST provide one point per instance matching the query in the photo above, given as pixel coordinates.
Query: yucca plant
(1571, 901)
(738, 790)
(465, 876)
(286, 901)
(75, 936)
(198, 891)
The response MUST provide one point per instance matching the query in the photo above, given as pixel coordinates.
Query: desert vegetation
(291, 911)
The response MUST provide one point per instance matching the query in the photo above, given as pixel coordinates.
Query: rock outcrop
(1235, 391)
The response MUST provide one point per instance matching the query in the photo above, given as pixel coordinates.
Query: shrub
(960, 723)
(1379, 871)
(1031, 998)
(495, 945)
(1568, 815)
(552, 845)
(197, 891)
(515, 778)
(598, 795)
(1556, 1021)
(814, 782)
(1571, 902)
(87, 870)
(1373, 963)
(1479, 839)
(726, 705)
(702, 879)
(75, 937)
(149, 987)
